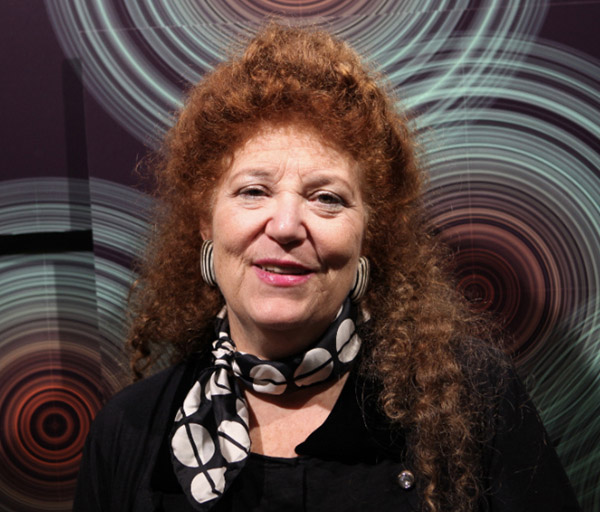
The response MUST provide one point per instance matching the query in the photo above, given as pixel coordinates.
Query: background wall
(505, 96)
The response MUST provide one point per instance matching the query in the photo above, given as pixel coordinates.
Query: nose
(286, 223)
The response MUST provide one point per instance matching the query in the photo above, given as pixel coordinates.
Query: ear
(205, 230)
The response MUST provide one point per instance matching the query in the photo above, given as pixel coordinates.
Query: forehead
(289, 146)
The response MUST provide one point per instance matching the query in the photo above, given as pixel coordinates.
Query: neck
(279, 423)
(274, 343)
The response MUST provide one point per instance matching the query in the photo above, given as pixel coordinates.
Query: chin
(282, 314)
(281, 311)
(282, 321)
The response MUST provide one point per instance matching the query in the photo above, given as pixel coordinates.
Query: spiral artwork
(61, 319)
(138, 54)
(509, 124)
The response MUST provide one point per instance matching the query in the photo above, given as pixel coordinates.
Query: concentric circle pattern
(514, 190)
(137, 54)
(62, 330)
(48, 399)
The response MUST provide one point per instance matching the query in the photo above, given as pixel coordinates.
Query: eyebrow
(323, 174)
(253, 173)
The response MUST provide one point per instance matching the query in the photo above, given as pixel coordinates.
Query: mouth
(285, 270)
(281, 273)
(282, 267)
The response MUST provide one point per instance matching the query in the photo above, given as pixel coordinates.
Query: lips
(282, 273)
(282, 267)
(296, 271)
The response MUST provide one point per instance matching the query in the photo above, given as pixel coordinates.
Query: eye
(329, 200)
(252, 192)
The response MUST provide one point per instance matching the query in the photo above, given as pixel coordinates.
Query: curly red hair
(416, 349)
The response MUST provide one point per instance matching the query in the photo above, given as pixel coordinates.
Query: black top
(351, 462)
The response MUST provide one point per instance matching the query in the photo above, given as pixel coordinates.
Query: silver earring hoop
(361, 282)
(207, 263)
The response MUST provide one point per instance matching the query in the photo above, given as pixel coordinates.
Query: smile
(282, 274)
(295, 271)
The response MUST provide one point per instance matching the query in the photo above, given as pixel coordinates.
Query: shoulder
(146, 403)
(490, 377)
(124, 425)
(120, 444)
(125, 438)
(497, 392)
(520, 466)
(140, 398)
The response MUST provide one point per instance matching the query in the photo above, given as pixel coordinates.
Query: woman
(302, 381)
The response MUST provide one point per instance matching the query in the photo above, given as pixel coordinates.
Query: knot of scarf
(210, 439)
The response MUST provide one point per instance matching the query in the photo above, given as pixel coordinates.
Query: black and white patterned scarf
(210, 439)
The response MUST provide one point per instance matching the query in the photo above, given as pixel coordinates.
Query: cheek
(228, 262)
(341, 247)
(227, 252)
(232, 240)
(227, 227)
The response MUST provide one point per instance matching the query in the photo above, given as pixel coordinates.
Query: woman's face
(287, 224)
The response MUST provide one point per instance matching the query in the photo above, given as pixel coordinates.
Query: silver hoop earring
(207, 264)
(361, 282)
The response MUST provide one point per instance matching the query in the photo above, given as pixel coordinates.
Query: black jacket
(349, 463)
